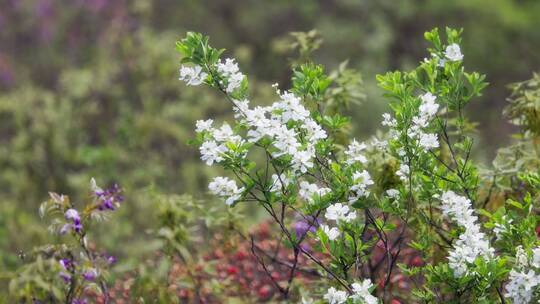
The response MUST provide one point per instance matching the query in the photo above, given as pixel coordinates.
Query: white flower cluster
(231, 73)
(472, 243)
(361, 294)
(354, 152)
(403, 172)
(310, 191)
(362, 180)
(280, 182)
(416, 132)
(297, 142)
(331, 232)
(393, 195)
(427, 110)
(226, 188)
(215, 147)
(523, 280)
(193, 76)
(287, 125)
(334, 296)
(339, 212)
(521, 286)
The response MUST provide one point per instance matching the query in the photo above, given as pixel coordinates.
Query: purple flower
(68, 267)
(67, 264)
(73, 215)
(79, 301)
(90, 274)
(302, 227)
(111, 259)
(65, 276)
(109, 198)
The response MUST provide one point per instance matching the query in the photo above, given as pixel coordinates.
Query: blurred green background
(89, 88)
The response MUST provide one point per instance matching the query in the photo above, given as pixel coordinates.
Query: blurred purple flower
(109, 198)
(90, 274)
(68, 267)
(67, 264)
(73, 215)
(79, 301)
(111, 259)
(65, 276)
(302, 227)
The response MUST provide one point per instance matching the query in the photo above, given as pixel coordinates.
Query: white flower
(234, 82)
(290, 108)
(241, 107)
(379, 144)
(521, 286)
(93, 186)
(192, 75)
(334, 296)
(388, 120)
(354, 152)
(230, 71)
(332, 233)
(472, 243)
(228, 67)
(536, 257)
(428, 108)
(225, 134)
(392, 193)
(453, 52)
(339, 212)
(428, 141)
(302, 160)
(226, 188)
(361, 182)
(307, 191)
(203, 125)
(279, 183)
(212, 152)
(286, 142)
(362, 293)
(314, 130)
(457, 208)
(522, 259)
(403, 172)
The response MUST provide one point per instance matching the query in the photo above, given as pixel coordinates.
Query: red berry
(417, 261)
(240, 255)
(232, 270)
(265, 292)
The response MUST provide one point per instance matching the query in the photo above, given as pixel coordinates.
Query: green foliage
(524, 107)
(101, 98)
(309, 80)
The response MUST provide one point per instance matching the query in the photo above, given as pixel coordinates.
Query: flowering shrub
(363, 197)
(81, 271)
(403, 217)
